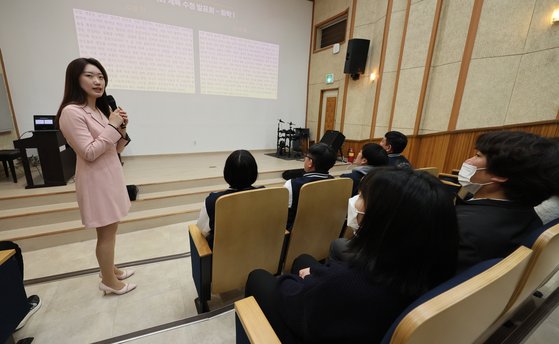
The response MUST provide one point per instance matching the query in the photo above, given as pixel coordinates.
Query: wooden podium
(58, 160)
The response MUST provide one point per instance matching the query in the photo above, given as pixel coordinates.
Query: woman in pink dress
(97, 135)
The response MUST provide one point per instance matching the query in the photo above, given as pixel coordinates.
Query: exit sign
(329, 78)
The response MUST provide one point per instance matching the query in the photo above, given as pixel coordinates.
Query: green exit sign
(329, 78)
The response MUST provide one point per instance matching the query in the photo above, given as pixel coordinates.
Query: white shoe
(125, 274)
(108, 290)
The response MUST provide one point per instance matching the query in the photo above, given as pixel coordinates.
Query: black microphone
(112, 104)
(281, 121)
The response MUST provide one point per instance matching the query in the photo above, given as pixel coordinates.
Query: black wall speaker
(356, 56)
(334, 139)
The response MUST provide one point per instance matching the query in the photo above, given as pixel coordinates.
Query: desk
(58, 160)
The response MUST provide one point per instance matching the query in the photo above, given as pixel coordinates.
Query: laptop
(44, 122)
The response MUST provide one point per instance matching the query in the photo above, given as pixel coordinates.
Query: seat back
(431, 170)
(463, 313)
(249, 231)
(453, 178)
(543, 264)
(320, 217)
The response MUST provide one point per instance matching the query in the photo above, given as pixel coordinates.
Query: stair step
(35, 237)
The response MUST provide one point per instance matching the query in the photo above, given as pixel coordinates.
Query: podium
(58, 160)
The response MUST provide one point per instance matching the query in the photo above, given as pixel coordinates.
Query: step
(49, 235)
(64, 212)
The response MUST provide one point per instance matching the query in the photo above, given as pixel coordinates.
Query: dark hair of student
(529, 162)
(74, 94)
(240, 169)
(323, 157)
(375, 154)
(397, 140)
(408, 238)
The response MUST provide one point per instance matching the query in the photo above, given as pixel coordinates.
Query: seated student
(318, 161)
(406, 245)
(34, 301)
(510, 173)
(394, 142)
(371, 155)
(240, 172)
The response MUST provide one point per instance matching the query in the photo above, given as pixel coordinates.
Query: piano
(57, 159)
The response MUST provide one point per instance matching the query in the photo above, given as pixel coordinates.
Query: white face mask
(464, 178)
(352, 213)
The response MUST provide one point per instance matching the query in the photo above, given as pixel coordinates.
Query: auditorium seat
(542, 266)
(434, 171)
(449, 177)
(249, 232)
(321, 214)
(461, 312)
(13, 300)
(457, 311)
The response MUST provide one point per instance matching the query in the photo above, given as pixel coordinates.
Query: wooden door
(330, 113)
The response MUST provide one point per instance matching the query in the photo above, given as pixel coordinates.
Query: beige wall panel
(420, 24)
(536, 92)
(369, 11)
(543, 35)
(385, 100)
(352, 131)
(487, 92)
(360, 92)
(398, 5)
(404, 130)
(407, 98)
(503, 27)
(365, 132)
(453, 30)
(314, 102)
(439, 98)
(325, 62)
(394, 40)
(376, 46)
(312, 125)
(324, 9)
(380, 131)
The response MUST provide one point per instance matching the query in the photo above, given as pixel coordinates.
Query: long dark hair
(408, 238)
(74, 94)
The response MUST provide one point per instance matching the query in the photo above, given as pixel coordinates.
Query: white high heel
(125, 274)
(108, 290)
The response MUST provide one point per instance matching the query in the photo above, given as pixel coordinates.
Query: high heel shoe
(107, 290)
(125, 274)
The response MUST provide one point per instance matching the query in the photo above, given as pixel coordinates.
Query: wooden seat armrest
(5, 255)
(255, 324)
(199, 240)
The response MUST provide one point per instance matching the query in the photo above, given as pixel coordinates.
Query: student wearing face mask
(510, 173)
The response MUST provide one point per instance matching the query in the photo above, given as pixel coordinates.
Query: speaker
(356, 56)
(334, 139)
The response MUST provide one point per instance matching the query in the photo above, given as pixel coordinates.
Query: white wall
(38, 39)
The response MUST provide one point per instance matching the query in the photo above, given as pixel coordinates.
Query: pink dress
(100, 187)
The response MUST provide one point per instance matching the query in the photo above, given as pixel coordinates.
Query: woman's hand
(304, 272)
(124, 116)
(115, 118)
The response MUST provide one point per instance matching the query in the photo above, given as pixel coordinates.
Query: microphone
(281, 121)
(112, 104)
